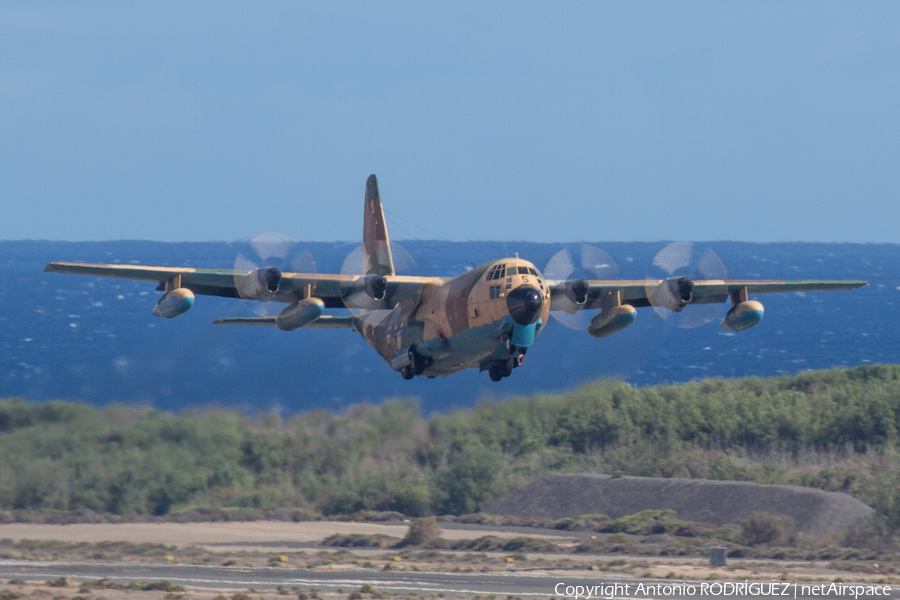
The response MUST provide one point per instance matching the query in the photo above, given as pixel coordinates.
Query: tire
(494, 373)
(418, 362)
(407, 372)
(505, 367)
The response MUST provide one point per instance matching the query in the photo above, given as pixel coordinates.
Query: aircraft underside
(485, 347)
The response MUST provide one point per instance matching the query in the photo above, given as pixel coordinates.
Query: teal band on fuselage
(523, 335)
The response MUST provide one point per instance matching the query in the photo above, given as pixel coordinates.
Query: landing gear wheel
(418, 362)
(501, 369)
(407, 372)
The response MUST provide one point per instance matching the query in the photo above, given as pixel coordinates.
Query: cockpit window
(496, 272)
(532, 271)
(523, 270)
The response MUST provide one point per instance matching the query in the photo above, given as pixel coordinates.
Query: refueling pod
(611, 321)
(174, 303)
(303, 313)
(743, 315)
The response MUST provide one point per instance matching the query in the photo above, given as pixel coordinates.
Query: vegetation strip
(835, 430)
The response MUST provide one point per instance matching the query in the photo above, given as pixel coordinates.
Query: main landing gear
(417, 364)
(503, 368)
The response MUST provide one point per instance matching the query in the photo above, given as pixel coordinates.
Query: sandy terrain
(185, 534)
(191, 537)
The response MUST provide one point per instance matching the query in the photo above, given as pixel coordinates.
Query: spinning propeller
(267, 256)
(369, 291)
(670, 285)
(679, 265)
(575, 266)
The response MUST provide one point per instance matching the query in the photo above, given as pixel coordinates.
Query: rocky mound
(565, 495)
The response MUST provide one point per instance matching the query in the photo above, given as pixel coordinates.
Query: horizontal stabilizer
(323, 322)
(246, 321)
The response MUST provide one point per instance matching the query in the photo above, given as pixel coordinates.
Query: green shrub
(767, 529)
(361, 540)
(529, 544)
(163, 585)
(487, 543)
(422, 532)
(645, 523)
(590, 522)
(469, 480)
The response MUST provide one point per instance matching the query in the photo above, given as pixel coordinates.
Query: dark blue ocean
(93, 339)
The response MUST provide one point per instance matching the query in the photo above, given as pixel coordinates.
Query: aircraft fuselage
(481, 318)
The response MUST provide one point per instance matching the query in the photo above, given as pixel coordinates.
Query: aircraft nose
(524, 304)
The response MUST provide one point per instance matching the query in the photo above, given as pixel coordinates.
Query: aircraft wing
(323, 322)
(640, 293)
(331, 289)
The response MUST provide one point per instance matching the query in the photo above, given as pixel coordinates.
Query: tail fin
(377, 258)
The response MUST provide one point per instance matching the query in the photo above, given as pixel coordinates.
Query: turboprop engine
(576, 290)
(259, 284)
(376, 286)
(743, 316)
(174, 303)
(369, 292)
(303, 313)
(673, 293)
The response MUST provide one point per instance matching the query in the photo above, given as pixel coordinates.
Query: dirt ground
(185, 534)
(40, 591)
(233, 544)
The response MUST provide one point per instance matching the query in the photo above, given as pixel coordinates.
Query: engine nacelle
(614, 320)
(403, 358)
(673, 293)
(259, 284)
(304, 313)
(174, 303)
(743, 316)
(577, 290)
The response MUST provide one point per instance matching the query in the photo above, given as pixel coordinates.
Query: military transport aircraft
(485, 318)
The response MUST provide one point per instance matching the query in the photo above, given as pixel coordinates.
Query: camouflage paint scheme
(485, 318)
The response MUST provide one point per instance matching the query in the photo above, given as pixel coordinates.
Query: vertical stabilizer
(377, 258)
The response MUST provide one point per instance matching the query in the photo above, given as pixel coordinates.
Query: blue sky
(539, 121)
